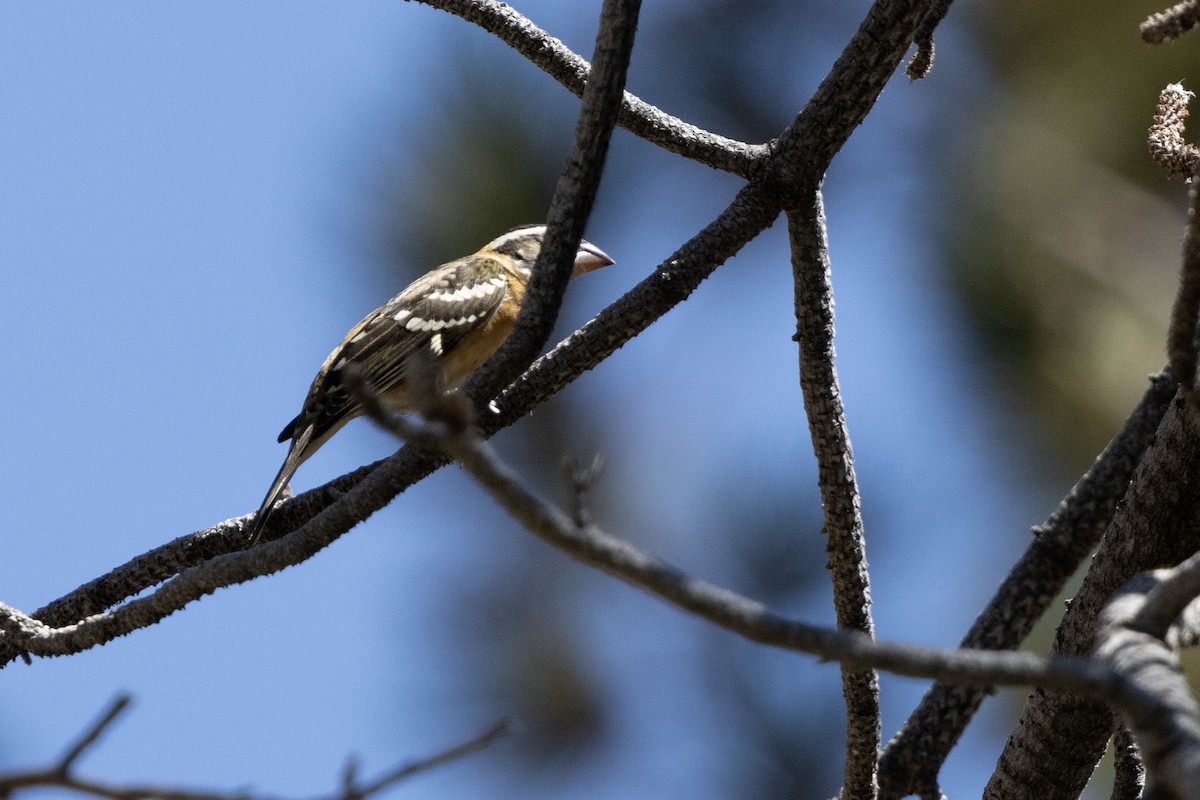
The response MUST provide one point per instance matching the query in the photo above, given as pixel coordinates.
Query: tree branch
(802, 154)
(845, 542)
(1185, 312)
(1157, 524)
(318, 517)
(213, 558)
(638, 117)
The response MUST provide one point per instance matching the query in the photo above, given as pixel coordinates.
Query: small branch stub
(921, 63)
(1167, 145)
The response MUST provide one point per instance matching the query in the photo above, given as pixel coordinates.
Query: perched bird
(461, 311)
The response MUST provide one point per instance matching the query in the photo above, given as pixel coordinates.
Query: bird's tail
(297, 453)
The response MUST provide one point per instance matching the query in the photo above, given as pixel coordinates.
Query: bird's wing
(435, 311)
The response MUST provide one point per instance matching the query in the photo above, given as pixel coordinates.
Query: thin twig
(350, 790)
(92, 734)
(60, 775)
(480, 741)
(579, 486)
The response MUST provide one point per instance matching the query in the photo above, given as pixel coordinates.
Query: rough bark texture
(1059, 739)
(845, 540)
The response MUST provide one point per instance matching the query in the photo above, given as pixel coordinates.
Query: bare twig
(845, 541)
(1172, 23)
(476, 743)
(92, 734)
(60, 775)
(580, 480)
(350, 780)
(639, 117)
(24, 634)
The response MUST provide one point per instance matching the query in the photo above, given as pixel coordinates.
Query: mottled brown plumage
(461, 312)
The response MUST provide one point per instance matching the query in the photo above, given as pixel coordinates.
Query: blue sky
(180, 194)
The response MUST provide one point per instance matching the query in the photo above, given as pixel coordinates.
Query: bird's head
(524, 243)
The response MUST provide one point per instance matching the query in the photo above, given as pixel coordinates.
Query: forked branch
(62, 775)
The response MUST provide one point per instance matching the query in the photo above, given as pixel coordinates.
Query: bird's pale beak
(590, 258)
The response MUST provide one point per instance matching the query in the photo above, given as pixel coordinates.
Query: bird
(460, 313)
